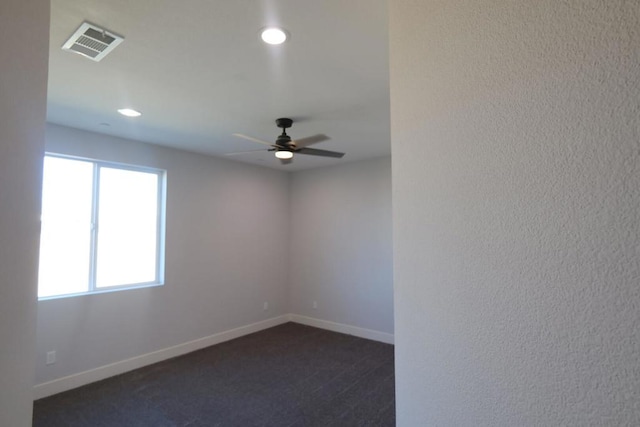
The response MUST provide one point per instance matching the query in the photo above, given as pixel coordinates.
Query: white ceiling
(199, 72)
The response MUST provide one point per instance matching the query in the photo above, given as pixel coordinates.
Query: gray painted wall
(226, 231)
(516, 185)
(23, 91)
(341, 244)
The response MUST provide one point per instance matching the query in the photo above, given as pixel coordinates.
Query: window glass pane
(128, 228)
(65, 239)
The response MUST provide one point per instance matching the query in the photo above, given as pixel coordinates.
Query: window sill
(103, 291)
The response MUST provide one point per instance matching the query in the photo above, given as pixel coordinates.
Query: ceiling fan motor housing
(284, 140)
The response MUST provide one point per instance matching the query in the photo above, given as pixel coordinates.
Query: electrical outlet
(315, 305)
(265, 306)
(51, 357)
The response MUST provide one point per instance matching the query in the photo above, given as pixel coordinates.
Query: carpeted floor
(290, 375)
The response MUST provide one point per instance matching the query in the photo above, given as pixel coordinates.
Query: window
(102, 227)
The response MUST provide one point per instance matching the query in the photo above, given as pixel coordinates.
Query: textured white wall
(341, 246)
(24, 52)
(516, 180)
(226, 231)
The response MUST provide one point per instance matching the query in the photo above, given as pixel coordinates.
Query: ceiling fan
(285, 147)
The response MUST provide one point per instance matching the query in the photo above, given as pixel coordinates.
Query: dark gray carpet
(290, 375)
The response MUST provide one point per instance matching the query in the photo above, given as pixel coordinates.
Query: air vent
(92, 42)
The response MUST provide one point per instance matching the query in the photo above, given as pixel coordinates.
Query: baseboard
(369, 334)
(82, 378)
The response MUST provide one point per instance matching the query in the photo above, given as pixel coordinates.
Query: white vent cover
(93, 42)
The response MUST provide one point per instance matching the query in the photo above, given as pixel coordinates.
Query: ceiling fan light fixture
(274, 35)
(284, 154)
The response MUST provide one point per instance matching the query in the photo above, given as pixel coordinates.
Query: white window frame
(160, 232)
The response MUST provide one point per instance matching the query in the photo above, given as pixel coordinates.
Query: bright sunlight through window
(102, 227)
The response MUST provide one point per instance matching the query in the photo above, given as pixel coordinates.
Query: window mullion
(94, 228)
(159, 230)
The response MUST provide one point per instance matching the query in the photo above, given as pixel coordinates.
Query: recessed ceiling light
(274, 35)
(284, 155)
(129, 112)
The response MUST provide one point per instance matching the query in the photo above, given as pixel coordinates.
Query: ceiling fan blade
(249, 138)
(285, 161)
(245, 152)
(316, 152)
(305, 142)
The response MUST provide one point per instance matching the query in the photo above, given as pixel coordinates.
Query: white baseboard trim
(369, 334)
(82, 378)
